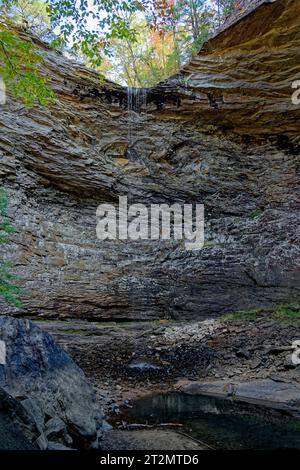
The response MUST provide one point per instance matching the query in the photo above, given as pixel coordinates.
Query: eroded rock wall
(224, 132)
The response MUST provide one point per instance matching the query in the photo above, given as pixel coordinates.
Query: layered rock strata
(223, 132)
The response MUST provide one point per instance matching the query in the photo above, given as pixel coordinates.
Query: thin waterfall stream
(136, 104)
(136, 107)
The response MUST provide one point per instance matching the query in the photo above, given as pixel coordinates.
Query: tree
(90, 26)
(152, 57)
(166, 34)
(19, 69)
(105, 32)
(223, 9)
(86, 26)
(197, 21)
(8, 290)
(32, 16)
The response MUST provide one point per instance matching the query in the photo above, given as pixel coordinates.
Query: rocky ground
(129, 360)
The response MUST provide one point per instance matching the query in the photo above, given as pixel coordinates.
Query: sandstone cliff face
(224, 132)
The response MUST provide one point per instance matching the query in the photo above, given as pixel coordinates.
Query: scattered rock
(210, 352)
(155, 439)
(255, 363)
(288, 363)
(243, 353)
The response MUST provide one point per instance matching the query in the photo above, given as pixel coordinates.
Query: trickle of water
(136, 104)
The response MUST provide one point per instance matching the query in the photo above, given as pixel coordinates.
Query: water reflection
(224, 424)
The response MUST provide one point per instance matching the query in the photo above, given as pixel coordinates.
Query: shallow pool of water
(220, 423)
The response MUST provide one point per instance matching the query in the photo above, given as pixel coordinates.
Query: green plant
(8, 289)
(287, 313)
(241, 315)
(137, 42)
(19, 70)
(19, 60)
(256, 213)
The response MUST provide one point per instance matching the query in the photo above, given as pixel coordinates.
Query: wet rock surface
(49, 387)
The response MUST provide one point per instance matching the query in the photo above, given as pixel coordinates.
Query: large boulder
(49, 385)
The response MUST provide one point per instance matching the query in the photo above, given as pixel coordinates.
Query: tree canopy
(136, 43)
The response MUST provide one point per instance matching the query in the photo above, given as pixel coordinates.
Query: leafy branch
(19, 70)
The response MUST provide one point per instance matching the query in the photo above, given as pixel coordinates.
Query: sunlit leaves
(90, 26)
(8, 289)
(143, 63)
(29, 14)
(19, 69)
(101, 30)
(87, 27)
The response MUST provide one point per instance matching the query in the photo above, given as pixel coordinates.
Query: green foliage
(8, 289)
(89, 27)
(256, 213)
(19, 70)
(226, 7)
(152, 57)
(167, 35)
(85, 27)
(241, 315)
(138, 43)
(286, 313)
(28, 14)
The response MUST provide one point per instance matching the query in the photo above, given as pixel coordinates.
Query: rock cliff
(223, 132)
